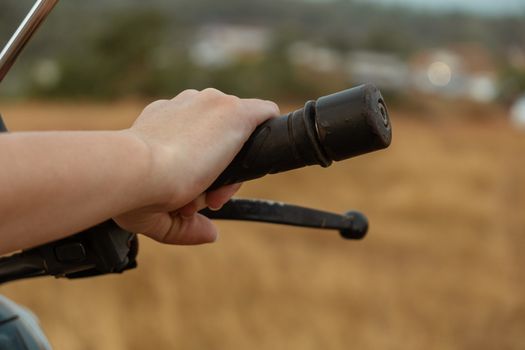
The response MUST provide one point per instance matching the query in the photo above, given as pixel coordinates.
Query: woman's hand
(191, 139)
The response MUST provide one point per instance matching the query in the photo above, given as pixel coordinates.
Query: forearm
(57, 183)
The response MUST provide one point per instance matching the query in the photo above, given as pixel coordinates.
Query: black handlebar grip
(335, 127)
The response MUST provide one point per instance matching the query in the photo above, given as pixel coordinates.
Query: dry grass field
(443, 266)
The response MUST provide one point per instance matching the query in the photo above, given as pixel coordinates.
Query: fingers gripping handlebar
(335, 127)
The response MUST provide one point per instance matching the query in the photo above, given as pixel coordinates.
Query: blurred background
(443, 265)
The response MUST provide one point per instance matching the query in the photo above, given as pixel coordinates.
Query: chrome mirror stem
(25, 31)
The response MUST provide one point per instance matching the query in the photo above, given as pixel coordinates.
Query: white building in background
(222, 45)
(517, 113)
(318, 58)
(387, 71)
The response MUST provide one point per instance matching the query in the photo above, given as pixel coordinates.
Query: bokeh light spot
(439, 73)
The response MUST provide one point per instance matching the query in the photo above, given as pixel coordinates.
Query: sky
(479, 6)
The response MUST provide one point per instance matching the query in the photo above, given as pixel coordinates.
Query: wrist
(160, 184)
(146, 187)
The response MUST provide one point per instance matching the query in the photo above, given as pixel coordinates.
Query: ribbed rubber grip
(335, 127)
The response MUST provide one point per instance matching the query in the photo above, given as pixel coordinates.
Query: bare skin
(151, 178)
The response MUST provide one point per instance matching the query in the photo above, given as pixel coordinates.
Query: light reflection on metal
(25, 31)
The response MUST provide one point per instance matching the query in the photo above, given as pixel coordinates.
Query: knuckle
(190, 92)
(211, 92)
(221, 100)
(186, 93)
(156, 105)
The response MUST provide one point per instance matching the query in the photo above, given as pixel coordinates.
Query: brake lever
(107, 248)
(351, 225)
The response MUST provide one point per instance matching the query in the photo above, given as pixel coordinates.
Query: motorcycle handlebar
(335, 127)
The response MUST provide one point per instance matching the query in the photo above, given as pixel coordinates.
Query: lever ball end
(359, 226)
